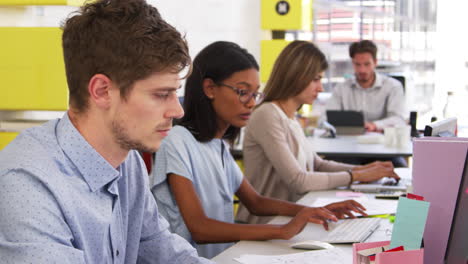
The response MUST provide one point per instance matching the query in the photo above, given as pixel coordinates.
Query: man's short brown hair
(363, 46)
(126, 40)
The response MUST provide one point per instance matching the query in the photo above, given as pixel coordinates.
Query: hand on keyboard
(373, 172)
(390, 182)
(319, 215)
(346, 208)
(387, 164)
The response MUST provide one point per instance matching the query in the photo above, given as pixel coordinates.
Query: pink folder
(437, 171)
(400, 257)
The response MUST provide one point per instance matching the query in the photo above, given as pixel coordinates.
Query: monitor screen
(443, 128)
(457, 246)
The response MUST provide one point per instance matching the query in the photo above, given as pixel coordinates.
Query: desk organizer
(401, 257)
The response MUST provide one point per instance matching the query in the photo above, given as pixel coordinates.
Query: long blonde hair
(296, 66)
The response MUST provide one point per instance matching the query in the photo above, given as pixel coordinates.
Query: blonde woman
(279, 161)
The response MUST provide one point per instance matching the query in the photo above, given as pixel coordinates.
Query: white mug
(390, 136)
(403, 136)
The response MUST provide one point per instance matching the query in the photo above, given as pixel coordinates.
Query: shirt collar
(96, 171)
(377, 82)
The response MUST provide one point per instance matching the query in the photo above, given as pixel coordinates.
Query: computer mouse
(312, 244)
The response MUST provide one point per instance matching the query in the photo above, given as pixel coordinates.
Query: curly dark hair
(126, 40)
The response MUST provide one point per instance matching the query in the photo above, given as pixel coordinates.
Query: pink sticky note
(349, 194)
(466, 191)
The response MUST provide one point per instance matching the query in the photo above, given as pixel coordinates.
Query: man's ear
(99, 88)
(208, 88)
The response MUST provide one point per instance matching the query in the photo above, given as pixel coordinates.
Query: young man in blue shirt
(75, 190)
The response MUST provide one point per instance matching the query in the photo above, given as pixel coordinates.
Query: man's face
(145, 117)
(364, 66)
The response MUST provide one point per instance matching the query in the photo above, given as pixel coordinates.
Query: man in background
(379, 97)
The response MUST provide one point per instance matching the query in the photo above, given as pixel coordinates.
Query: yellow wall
(270, 49)
(43, 2)
(299, 16)
(32, 69)
(6, 137)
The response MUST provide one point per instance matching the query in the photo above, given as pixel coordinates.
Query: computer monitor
(438, 168)
(442, 128)
(457, 246)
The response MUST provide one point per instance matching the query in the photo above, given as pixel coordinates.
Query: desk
(347, 146)
(310, 232)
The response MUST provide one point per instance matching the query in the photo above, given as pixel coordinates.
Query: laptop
(386, 184)
(346, 122)
(383, 185)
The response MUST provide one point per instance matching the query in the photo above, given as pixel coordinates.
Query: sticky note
(409, 224)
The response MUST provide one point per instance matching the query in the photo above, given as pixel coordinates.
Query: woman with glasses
(195, 177)
(279, 161)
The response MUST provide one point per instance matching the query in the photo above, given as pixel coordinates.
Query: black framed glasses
(245, 94)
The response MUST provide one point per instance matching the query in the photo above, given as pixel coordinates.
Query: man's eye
(162, 95)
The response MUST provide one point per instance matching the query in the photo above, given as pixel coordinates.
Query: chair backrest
(401, 79)
(148, 159)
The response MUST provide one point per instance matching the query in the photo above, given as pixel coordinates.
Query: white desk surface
(348, 146)
(310, 232)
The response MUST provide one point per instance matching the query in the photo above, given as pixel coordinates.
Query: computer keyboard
(352, 230)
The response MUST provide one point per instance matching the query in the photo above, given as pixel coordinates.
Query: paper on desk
(373, 206)
(329, 256)
(349, 194)
(409, 223)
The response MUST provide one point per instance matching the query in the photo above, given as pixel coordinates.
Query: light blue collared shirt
(213, 172)
(62, 202)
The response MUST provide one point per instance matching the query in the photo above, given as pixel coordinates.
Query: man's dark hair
(363, 46)
(126, 40)
(218, 61)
